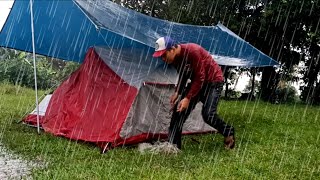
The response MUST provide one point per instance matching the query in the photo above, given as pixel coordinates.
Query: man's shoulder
(190, 45)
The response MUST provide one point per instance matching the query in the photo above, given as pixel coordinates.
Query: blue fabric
(169, 42)
(66, 29)
(62, 30)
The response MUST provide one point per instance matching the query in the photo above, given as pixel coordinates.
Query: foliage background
(16, 67)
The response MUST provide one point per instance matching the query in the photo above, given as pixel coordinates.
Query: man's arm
(197, 63)
(183, 78)
(181, 84)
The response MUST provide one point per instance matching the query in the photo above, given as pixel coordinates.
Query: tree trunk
(268, 83)
(225, 70)
(253, 74)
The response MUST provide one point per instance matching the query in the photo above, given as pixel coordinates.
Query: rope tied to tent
(159, 148)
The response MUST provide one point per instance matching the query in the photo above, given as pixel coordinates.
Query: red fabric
(32, 119)
(204, 69)
(91, 105)
(149, 136)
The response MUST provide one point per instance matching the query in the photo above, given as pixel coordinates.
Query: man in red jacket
(200, 79)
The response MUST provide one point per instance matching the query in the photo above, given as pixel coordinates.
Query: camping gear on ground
(159, 148)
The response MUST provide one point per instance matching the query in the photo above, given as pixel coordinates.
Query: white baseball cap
(162, 45)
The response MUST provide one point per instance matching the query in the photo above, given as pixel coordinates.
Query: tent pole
(34, 67)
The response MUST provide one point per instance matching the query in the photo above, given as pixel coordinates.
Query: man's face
(168, 56)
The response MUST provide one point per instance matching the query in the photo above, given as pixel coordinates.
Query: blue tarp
(66, 29)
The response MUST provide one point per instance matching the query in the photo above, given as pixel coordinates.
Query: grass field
(273, 142)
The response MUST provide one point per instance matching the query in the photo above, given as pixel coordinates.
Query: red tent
(112, 102)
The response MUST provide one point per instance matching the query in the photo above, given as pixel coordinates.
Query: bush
(18, 70)
(232, 94)
(287, 94)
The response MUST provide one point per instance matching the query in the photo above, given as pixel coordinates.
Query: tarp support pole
(34, 67)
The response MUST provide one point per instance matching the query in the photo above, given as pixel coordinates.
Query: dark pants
(209, 95)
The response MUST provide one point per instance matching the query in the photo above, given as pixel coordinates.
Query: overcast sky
(5, 6)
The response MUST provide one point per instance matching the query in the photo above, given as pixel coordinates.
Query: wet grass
(273, 142)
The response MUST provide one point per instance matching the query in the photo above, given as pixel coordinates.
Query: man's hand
(183, 104)
(173, 99)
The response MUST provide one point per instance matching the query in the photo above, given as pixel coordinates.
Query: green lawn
(273, 142)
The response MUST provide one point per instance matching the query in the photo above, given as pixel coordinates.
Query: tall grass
(273, 142)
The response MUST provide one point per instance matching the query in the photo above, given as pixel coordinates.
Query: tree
(286, 30)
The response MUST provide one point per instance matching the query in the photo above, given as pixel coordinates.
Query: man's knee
(208, 117)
